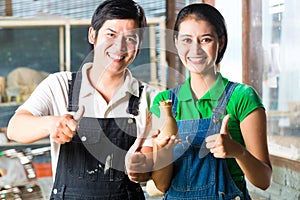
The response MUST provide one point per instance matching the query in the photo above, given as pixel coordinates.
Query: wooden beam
(8, 8)
(170, 53)
(176, 70)
(252, 51)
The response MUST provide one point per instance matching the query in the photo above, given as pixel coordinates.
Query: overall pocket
(80, 162)
(193, 173)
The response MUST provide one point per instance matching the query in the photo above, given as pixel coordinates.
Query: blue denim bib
(197, 173)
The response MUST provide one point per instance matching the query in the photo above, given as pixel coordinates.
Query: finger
(163, 142)
(154, 135)
(212, 138)
(224, 127)
(65, 138)
(137, 145)
(63, 129)
(133, 178)
(74, 118)
(60, 138)
(210, 145)
(137, 158)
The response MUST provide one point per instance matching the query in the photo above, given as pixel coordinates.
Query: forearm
(26, 128)
(256, 171)
(163, 168)
(146, 175)
(254, 160)
(162, 178)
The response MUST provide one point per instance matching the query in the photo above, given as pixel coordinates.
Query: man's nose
(120, 43)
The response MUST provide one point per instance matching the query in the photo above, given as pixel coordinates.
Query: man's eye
(187, 40)
(110, 35)
(131, 39)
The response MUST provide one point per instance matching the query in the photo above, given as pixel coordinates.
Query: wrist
(241, 152)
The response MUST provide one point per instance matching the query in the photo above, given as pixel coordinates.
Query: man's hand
(64, 127)
(138, 161)
(137, 167)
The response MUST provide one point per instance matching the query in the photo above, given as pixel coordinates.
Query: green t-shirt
(243, 101)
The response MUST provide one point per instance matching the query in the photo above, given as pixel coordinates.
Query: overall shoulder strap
(74, 90)
(220, 109)
(173, 95)
(134, 101)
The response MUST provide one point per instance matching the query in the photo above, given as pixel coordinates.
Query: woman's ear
(92, 35)
(221, 43)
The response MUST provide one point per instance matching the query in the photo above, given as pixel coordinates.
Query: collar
(86, 88)
(131, 85)
(214, 93)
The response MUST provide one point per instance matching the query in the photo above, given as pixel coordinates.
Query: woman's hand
(163, 150)
(221, 145)
(166, 142)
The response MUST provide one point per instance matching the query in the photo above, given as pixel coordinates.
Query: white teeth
(115, 57)
(196, 59)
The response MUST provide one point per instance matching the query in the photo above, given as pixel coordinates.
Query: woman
(215, 156)
(108, 112)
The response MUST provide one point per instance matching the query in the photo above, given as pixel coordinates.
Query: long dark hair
(208, 13)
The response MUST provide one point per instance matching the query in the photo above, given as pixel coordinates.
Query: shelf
(7, 110)
(10, 103)
(15, 145)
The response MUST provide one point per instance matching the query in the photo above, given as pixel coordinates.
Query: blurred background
(38, 37)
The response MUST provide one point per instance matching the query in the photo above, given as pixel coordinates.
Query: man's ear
(92, 35)
(138, 51)
(176, 42)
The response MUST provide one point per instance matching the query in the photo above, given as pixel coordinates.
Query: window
(281, 84)
(281, 71)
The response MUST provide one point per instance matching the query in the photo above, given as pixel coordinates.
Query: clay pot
(169, 125)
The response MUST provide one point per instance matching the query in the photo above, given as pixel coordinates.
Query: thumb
(224, 127)
(75, 116)
(137, 145)
(79, 113)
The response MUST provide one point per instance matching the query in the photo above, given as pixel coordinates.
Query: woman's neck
(201, 84)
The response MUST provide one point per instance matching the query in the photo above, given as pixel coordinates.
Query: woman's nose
(195, 46)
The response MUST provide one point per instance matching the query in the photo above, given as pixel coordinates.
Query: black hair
(208, 13)
(119, 9)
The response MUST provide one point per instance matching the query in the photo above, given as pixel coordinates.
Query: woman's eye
(206, 40)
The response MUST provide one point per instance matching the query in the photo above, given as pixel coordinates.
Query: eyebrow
(109, 29)
(131, 34)
(187, 35)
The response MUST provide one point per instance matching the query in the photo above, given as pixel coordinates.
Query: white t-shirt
(51, 98)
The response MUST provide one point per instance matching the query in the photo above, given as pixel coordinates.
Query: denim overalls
(197, 173)
(91, 166)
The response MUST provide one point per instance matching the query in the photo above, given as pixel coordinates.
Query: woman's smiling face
(198, 45)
